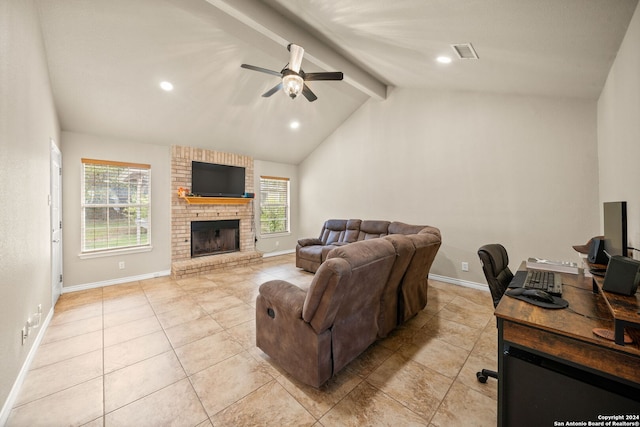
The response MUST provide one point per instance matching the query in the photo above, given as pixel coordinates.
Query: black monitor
(615, 228)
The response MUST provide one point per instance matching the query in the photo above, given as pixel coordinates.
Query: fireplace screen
(214, 237)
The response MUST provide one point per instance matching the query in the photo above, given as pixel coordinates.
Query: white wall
(27, 122)
(619, 131)
(89, 272)
(273, 245)
(483, 168)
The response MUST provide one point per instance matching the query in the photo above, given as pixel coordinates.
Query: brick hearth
(182, 213)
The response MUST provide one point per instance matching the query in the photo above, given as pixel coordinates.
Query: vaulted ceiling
(107, 58)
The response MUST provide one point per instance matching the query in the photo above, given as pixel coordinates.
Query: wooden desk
(551, 364)
(624, 310)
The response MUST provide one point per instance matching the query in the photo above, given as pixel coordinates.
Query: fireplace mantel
(198, 200)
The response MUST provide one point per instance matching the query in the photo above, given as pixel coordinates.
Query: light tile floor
(182, 353)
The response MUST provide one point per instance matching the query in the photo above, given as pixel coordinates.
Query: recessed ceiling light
(294, 124)
(166, 86)
(443, 59)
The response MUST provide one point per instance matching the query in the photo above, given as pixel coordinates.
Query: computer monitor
(615, 228)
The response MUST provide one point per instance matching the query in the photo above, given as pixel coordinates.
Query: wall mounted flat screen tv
(615, 228)
(213, 180)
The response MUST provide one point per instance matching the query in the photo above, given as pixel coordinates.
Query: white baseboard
(459, 282)
(270, 254)
(112, 282)
(17, 385)
(452, 280)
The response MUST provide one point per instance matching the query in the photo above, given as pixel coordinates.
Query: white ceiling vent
(465, 51)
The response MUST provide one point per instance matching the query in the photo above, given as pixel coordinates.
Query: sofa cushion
(414, 285)
(397, 227)
(333, 231)
(352, 231)
(311, 253)
(355, 325)
(326, 290)
(373, 229)
(388, 318)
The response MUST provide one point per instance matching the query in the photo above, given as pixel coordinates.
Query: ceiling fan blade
(333, 75)
(296, 57)
(272, 90)
(308, 94)
(262, 70)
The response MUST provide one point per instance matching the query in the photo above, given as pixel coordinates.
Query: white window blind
(274, 205)
(116, 205)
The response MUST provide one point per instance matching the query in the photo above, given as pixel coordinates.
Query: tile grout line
(244, 350)
(435, 412)
(189, 377)
(180, 361)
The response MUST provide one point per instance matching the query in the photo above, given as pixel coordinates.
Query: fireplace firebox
(214, 237)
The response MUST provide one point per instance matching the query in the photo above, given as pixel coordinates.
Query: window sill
(275, 235)
(115, 252)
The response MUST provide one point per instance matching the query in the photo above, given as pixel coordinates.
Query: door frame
(55, 204)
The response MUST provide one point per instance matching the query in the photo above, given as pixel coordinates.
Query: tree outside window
(274, 205)
(116, 205)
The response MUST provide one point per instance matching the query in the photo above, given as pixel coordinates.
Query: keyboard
(546, 281)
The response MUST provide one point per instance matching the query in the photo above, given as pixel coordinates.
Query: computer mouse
(538, 295)
(514, 292)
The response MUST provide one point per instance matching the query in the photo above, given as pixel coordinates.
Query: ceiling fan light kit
(292, 85)
(293, 78)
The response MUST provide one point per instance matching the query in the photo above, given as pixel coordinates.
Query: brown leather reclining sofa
(365, 285)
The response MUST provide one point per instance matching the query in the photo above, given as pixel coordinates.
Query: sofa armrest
(284, 298)
(287, 338)
(310, 241)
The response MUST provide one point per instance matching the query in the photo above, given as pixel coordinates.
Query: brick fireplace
(184, 213)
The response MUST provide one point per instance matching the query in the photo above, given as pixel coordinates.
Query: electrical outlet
(26, 331)
(37, 317)
(121, 265)
(465, 266)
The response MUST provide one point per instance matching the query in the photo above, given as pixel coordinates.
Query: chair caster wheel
(481, 378)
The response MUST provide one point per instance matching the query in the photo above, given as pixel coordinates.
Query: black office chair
(495, 265)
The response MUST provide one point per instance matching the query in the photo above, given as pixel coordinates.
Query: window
(274, 205)
(115, 205)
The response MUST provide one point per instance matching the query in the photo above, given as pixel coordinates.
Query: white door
(56, 221)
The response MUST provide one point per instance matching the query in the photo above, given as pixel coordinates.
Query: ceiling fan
(293, 78)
